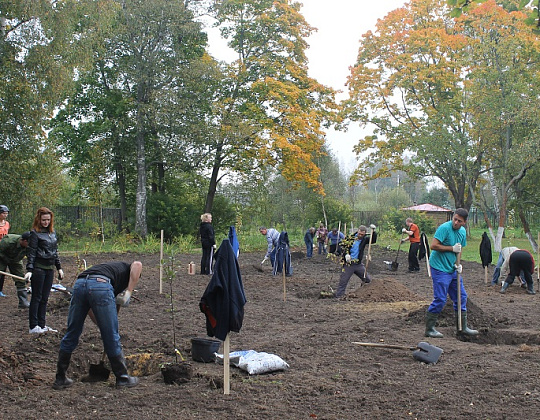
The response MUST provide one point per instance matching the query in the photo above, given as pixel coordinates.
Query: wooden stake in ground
(284, 283)
(538, 262)
(161, 265)
(226, 367)
(427, 257)
(458, 262)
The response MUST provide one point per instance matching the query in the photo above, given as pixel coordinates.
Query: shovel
(395, 264)
(99, 372)
(423, 352)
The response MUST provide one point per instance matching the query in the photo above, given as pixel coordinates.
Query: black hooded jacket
(224, 299)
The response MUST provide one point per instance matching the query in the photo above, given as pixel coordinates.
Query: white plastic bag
(254, 362)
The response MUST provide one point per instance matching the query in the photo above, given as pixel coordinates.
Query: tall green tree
(132, 104)
(504, 92)
(42, 43)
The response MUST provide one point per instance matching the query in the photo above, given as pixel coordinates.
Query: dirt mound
(384, 289)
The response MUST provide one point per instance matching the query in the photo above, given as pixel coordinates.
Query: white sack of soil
(254, 362)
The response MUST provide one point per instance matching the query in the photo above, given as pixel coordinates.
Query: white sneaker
(36, 330)
(48, 329)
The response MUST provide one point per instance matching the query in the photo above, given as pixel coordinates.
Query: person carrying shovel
(12, 251)
(447, 243)
(99, 292)
(353, 253)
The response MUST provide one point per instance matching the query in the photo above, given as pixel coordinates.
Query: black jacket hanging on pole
(283, 254)
(485, 250)
(224, 299)
(424, 247)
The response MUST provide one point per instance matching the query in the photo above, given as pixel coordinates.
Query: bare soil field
(493, 376)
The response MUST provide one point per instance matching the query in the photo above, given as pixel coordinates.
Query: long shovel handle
(388, 346)
(12, 275)
(368, 254)
(458, 262)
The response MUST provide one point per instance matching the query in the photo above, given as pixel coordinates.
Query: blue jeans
(322, 248)
(446, 284)
(41, 282)
(98, 295)
(309, 249)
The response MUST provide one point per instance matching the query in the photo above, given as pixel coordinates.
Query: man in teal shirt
(447, 243)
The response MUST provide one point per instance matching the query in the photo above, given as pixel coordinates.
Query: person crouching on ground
(449, 239)
(353, 254)
(520, 261)
(99, 292)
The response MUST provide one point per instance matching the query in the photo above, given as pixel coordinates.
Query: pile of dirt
(494, 374)
(384, 289)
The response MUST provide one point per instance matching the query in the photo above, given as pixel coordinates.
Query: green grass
(472, 251)
(253, 241)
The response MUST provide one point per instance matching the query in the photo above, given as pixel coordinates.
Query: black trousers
(205, 260)
(413, 256)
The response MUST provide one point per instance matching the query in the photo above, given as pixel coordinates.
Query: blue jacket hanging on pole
(234, 241)
(224, 299)
(283, 255)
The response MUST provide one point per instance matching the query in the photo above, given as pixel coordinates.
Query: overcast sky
(333, 48)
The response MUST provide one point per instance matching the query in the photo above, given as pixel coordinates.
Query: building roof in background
(427, 207)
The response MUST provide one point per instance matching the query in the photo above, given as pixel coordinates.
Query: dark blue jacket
(224, 299)
(283, 254)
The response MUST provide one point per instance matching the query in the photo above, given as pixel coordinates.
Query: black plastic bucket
(203, 349)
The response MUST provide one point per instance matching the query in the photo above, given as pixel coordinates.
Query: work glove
(459, 268)
(28, 276)
(403, 240)
(372, 226)
(456, 248)
(403, 230)
(368, 257)
(60, 274)
(348, 258)
(214, 246)
(123, 298)
(263, 261)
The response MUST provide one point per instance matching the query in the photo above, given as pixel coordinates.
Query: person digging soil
(94, 294)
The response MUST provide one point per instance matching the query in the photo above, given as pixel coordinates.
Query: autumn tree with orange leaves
(445, 97)
(268, 111)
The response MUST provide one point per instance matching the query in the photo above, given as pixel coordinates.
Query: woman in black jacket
(206, 231)
(42, 258)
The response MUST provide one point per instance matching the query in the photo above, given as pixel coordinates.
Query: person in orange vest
(413, 236)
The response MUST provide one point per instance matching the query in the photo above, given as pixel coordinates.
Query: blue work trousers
(309, 248)
(445, 284)
(96, 294)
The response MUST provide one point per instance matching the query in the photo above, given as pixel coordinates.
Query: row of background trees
(120, 104)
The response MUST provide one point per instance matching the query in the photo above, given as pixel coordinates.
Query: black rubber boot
(23, 298)
(504, 287)
(431, 320)
(118, 365)
(464, 329)
(530, 289)
(62, 381)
